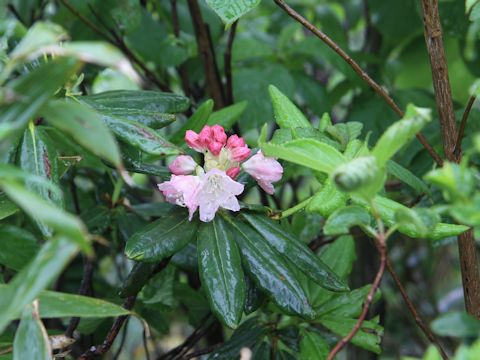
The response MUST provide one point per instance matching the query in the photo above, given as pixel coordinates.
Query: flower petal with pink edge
(193, 141)
(233, 172)
(183, 165)
(181, 190)
(265, 170)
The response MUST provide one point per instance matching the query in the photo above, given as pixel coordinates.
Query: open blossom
(265, 170)
(181, 190)
(214, 186)
(217, 190)
(183, 165)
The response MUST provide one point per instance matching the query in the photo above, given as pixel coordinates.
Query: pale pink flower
(181, 190)
(183, 165)
(217, 190)
(265, 170)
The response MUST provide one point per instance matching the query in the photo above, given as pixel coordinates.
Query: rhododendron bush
(220, 179)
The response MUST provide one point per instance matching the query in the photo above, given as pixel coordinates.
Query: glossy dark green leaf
(33, 90)
(313, 346)
(253, 297)
(137, 278)
(187, 258)
(159, 290)
(139, 136)
(227, 116)
(17, 246)
(134, 162)
(246, 335)
(295, 251)
(35, 277)
(456, 324)
(84, 126)
(195, 303)
(221, 271)
(139, 100)
(327, 200)
(37, 155)
(271, 272)
(368, 337)
(162, 238)
(287, 115)
(31, 338)
(195, 122)
(343, 219)
(42, 211)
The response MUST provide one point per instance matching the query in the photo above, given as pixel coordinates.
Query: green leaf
(31, 338)
(406, 176)
(270, 271)
(423, 220)
(368, 337)
(307, 152)
(400, 133)
(456, 324)
(17, 246)
(195, 122)
(227, 116)
(327, 200)
(32, 91)
(41, 34)
(295, 251)
(229, 11)
(140, 100)
(387, 208)
(313, 346)
(84, 126)
(137, 278)
(221, 271)
(287, 115)
(7, 207)
(245, 336)
(42, 211)
(38, 156)
(361, 175)
(344, 218)
(32, 279)
(456, 180)
(162, 238)
(159, 289)
(347, 304)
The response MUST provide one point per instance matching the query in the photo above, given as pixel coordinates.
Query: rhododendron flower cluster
(213, 186)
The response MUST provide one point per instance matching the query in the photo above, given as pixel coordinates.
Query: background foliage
(95, 98)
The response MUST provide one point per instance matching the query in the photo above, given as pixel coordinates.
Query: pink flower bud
(235, 141)
(193, 141)
(215, 147)
(183, 165)
(233, 172)
(205, 135)
(239, 154)
(219, 134)
(265, 170)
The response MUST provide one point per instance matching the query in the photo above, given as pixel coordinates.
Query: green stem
(116, 190)
(292, 210)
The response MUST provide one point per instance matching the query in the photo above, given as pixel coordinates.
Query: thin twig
(228, 64)
(463, 124)
(99, 350)
(382, 250)
(122, 340)
(205, 48)
(363, 75)
(145, 345)
(16, 14)
(416, 316)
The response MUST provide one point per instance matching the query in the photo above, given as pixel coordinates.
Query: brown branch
(463, 124)
(382, 250)
(182, 69)
(466, 243)
(228, 64)
(102, 349)
(411, 307)
(205, 49)
(441, 82)
(360, 72)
